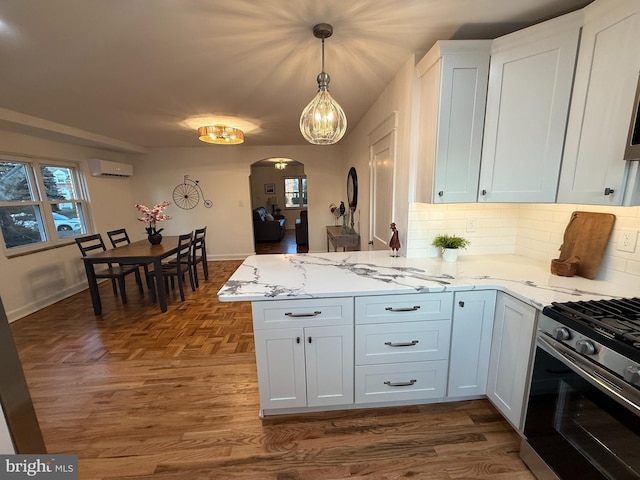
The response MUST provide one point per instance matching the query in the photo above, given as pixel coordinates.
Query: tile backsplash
(532, 230)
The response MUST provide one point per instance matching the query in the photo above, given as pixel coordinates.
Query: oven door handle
(597, 376)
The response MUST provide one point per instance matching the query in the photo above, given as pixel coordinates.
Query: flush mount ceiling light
(323, 121)
(280, 165)
(220, 134)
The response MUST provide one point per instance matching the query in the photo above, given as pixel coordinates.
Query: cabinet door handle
(297, 339)
(400, 384)
(483, 192)
(608, 191)
(461, 303)
(302, 315)
(403, 309)
(309, 339)
(402, 344)
(441, 193)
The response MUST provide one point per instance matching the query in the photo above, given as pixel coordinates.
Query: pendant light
(323, 121)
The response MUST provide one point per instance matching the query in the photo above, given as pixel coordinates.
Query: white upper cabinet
(530, 81)
(453, 88)
(593, 170)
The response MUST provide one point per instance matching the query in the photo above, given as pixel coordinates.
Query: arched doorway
(279, 187)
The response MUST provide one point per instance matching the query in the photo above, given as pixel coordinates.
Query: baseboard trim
(43, 302)
(230, 256)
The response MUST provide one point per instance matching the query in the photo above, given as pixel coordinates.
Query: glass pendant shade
(221, 135)
(323, 121)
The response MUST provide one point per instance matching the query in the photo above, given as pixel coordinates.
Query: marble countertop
(341, 274)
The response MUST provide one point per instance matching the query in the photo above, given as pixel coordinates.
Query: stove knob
(632, 374)
(585, 347)
(561, 333)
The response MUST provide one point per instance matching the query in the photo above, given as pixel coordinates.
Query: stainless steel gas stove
(583, 411)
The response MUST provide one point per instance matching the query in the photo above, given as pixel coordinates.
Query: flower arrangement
(153, 216)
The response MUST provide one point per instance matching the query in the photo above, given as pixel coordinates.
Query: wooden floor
(139, 394)
(286, 245)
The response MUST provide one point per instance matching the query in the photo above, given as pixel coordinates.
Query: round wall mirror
(352, 188)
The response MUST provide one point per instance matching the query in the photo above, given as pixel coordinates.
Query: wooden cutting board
(587, 236)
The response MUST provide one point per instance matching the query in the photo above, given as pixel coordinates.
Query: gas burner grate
(618, 318)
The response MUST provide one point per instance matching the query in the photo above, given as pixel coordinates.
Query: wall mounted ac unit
(106, 168)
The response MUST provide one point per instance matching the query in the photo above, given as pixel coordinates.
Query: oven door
(579, 420)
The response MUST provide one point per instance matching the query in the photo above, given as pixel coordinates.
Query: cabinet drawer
(303, 312)
(402, 342)
(400, 381)
(405, 308)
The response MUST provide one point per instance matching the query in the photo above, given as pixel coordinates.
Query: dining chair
(119, 238)
(199, 254)
(117, 273)
(177, 268)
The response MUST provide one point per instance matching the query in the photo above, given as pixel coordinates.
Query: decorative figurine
(394, 243)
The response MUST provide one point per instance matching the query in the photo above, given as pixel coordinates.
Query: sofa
(302, 229)
(265, 227)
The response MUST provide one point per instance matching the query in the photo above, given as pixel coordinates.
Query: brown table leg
(93, 287)
(160, 291)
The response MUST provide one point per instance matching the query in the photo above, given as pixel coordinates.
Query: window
(295, 192)
(41, 204)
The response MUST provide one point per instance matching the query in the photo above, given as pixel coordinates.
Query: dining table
(140, 252)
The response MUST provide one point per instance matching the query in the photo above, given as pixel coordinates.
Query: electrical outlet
(471, 224)
(627, 240)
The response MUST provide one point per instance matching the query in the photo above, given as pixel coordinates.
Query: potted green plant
(450, 244)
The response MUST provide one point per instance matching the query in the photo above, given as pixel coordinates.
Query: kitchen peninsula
(346, 330)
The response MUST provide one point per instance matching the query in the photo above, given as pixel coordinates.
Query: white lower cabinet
(407, 348)
(309, 361)
(391, 382)
(473, 314)
(402, 347)
(511, 350)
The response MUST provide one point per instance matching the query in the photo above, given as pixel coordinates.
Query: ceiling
(129, 74)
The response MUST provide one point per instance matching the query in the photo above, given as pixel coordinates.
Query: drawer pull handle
(400, 384)
(402, 344)
(405, 309)
(302, 315)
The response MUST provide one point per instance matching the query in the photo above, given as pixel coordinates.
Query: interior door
(382, 170)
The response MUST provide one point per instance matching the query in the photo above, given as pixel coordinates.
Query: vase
(449, 254)
(155, 238)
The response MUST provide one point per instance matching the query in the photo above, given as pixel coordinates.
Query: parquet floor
(139, 394)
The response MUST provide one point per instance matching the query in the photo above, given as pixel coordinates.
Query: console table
(348, 241)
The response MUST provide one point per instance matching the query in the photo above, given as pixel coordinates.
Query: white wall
(30, 282)
(398, 97)
(224, 176)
